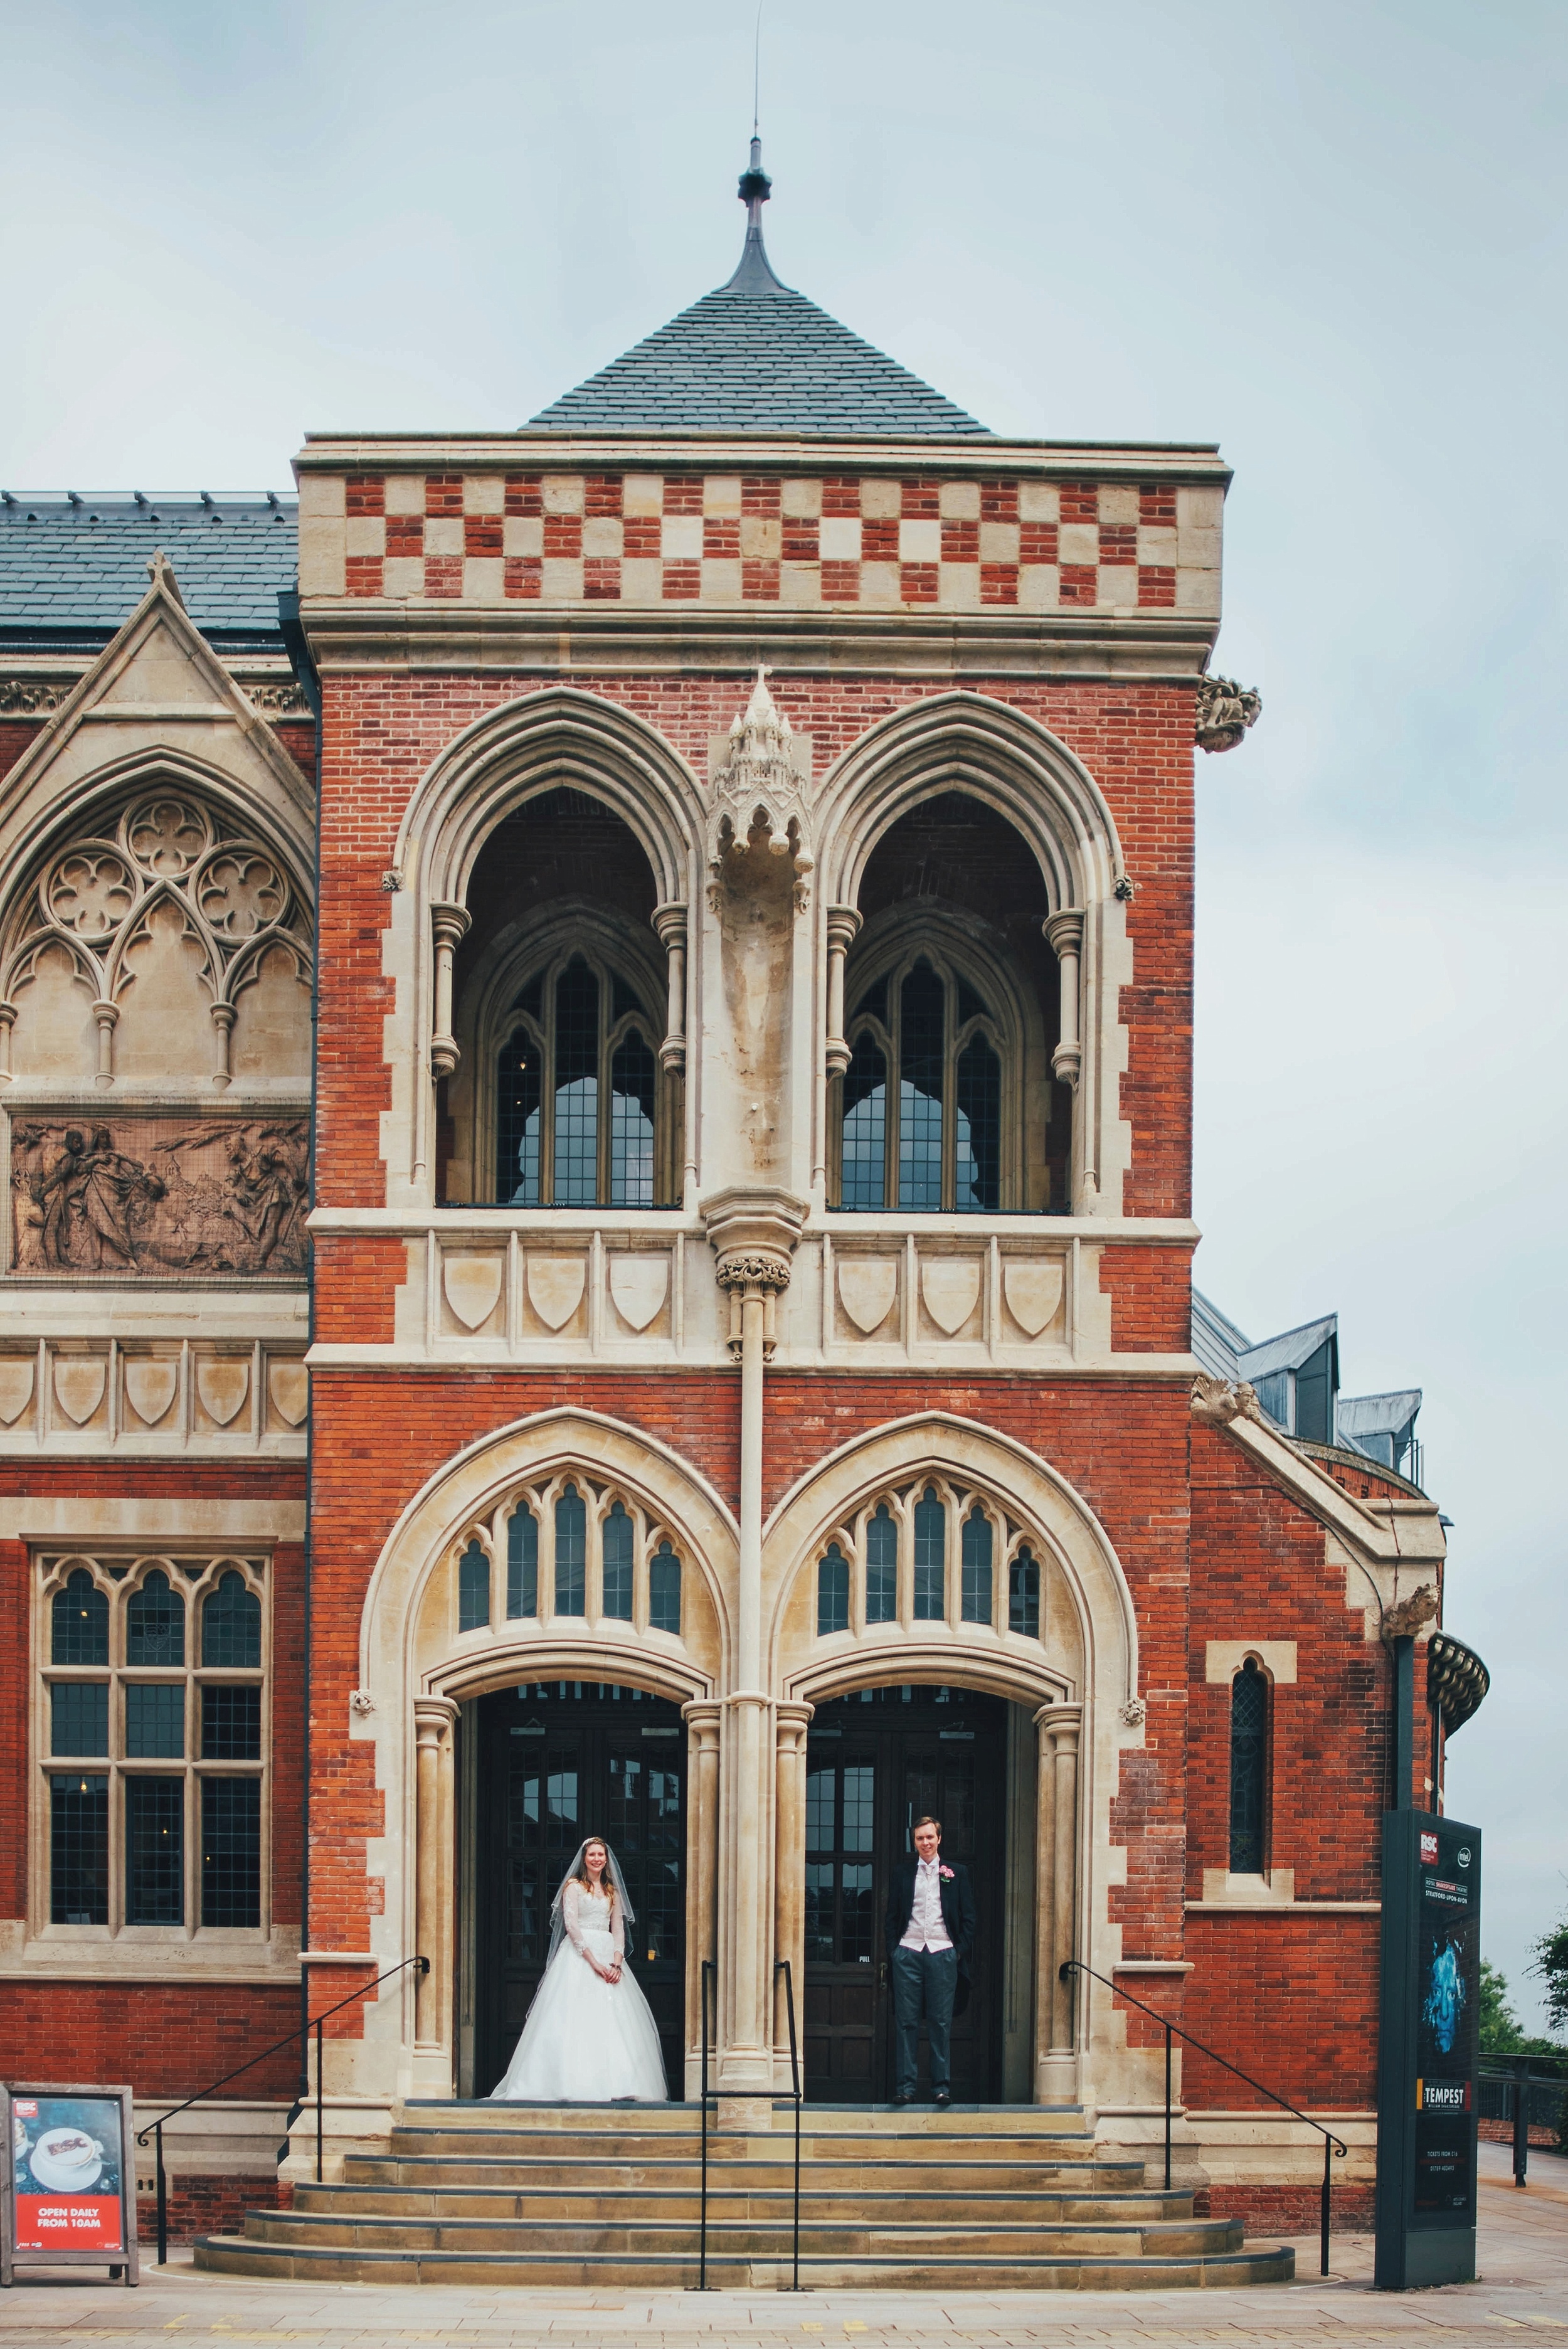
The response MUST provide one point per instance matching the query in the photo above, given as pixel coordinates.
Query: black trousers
(924, 1981)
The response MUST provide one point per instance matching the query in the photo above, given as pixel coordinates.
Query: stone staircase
(978, 2198)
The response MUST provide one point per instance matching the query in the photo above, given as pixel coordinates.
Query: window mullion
(949, 1095)
(602, 1136)
(547, 1096)
(893, 1089)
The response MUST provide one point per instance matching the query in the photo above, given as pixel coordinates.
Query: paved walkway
(1524, 2290)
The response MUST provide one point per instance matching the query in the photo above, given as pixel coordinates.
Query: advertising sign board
(1428, 2044)
(69, 2178)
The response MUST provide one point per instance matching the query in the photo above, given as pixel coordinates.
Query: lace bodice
(590, 1913)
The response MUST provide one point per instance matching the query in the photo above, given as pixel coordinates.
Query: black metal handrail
(154, 2129)
(1515, 2072)
(781, 1966)
(1332, 2146)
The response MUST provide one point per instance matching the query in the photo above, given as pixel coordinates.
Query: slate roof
(756, 357)
(71, 574)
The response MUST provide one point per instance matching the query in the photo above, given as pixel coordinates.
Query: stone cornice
(1115, 461)
(352, 634)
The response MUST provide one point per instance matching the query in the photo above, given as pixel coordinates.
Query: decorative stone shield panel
(1033, 1291)
(288, 1383)
(555, 1285)
(867, 1287)
(79, 1385)
(15, 1387)
(951, 1289)
(223, 1382)
(639, 1284)
(473, 1285)
(149, 1389)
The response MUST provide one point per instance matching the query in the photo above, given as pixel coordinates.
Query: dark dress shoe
(905, 2097)
(942, 2096)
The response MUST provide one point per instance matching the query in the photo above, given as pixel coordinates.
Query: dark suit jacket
(957, 1905)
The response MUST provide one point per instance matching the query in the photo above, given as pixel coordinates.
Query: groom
(930, 1928)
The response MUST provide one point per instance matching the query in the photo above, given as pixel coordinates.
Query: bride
(589, 2037)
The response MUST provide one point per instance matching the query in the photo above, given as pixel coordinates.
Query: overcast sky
(1330, 237)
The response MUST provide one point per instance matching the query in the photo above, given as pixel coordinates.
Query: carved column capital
(844, 926)
(753, 1234)
(433, 1719)
(753, 1268)
(1064, 930)
(449, 927)
(669, 921)
(450, 923)
(843, 922)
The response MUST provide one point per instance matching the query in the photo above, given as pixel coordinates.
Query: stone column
(843, 921)
(434, 1877)
(670, 922)
(753, 1234)
(702, 1719)
(1056, 1904)
(790, 1722)
(448, 926)
(107, 1016)
(1065, 932)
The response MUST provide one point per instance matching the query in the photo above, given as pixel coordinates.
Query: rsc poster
(66, 2165)
(1447, 2018)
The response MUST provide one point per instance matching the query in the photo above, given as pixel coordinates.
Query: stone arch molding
(561, 736)
(972, 743)
(394, 1675)
(1057, 1517)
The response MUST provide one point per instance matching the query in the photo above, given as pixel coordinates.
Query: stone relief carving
(278, 700)
(27, 696)
(759, 788)
(1134, 1713)
(169, 901)
(159, 1195)
(1215, 1403)
(1224, 711)
(1403, 1620)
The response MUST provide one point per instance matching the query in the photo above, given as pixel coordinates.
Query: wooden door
(559, 1761)
(874, 1763)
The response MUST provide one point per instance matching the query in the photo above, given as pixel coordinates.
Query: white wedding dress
(586, 2040)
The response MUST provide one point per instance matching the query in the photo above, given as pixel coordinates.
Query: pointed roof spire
(754, 272)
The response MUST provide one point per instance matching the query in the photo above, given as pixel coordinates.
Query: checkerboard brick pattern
(851, 541)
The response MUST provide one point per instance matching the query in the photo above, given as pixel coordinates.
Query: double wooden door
(559, 1761)
(874, 1763)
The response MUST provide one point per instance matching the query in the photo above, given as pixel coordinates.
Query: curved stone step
(548, 2206)
(831, 2177)
(239, 2255)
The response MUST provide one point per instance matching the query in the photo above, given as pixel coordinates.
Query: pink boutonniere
(946, 1874)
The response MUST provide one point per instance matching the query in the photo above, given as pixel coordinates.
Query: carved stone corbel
(1216, 1402)
(1224, 711)
(1405, 1620)
(753, 1234)
(449, 927)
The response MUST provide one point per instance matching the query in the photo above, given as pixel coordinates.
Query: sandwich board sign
(1429, 2043)
(68, 2179)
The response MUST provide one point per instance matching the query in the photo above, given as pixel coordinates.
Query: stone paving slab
(1523, 2291)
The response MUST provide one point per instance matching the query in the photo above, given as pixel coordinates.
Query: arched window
(1249, 1769)
(521, 1564)
(231, 1626)
(833, 1591)
(80, 1623)
(934, 1140)
(977, 1566)
(930, 1558)
(577, 1091)
(617, 1565)
(664, 1590)
(473, 1587)
(881, 1567)
(1024, 1595)
(155, 1623)
(571, 1553)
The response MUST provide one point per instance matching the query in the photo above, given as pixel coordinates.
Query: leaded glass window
(932, 1142)
(1024, 1595)
(571, 1553)
(521, 1563)
(1249, 1761)
(664, 1590)
(578, 1087)
(881, 1567)
(616, 1542)
(930, 1558)
(473, 1587)
(833, 1591)
(975, 1566)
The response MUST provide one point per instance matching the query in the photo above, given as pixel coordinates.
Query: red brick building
(656, 975)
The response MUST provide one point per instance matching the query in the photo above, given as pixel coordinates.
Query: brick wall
(382, 732)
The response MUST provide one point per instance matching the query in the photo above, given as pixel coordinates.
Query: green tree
(1552, 1965)
(1499, 2030)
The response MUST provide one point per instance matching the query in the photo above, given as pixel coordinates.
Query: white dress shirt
(926, 1928)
